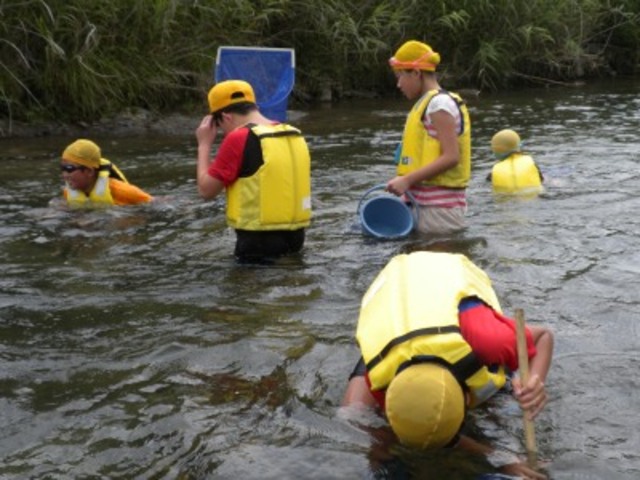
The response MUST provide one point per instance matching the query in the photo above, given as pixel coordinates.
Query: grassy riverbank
(77, 60)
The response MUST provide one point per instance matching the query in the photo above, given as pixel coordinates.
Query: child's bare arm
(541, 363)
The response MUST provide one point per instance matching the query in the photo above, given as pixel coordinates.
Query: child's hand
(522, 470)
(532, 396)
(510, 464)
(206, 131)
(398, 186)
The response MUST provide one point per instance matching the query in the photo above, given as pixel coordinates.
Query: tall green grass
(74, 59)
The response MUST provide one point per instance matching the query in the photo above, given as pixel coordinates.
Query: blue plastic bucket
(385, 216)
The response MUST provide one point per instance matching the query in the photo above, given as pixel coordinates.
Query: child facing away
(516, 172)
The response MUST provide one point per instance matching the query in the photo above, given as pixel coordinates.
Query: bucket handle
(383, 186)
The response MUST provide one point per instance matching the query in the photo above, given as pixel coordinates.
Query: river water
(134, 346)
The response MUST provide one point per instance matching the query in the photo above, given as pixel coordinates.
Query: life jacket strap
(114, 172)
(459, 104)
(408, 336)
(463, 369)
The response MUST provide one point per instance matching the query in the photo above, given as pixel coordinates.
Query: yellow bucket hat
(505, 142)
(83, 152)
(229, 92)
(425, 406)
(414, 55)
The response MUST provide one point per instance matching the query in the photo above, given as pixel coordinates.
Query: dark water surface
(133, 346)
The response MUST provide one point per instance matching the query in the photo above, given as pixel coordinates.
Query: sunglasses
(70, 168)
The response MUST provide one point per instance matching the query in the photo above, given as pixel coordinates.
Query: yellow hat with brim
(83, 152)
(414, 55)
(505, 142)
(229, 92)
(425, 406)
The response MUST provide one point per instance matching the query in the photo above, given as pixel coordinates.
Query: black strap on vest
(408, 336)
(113, 172)
(252, 157)
(464, 368)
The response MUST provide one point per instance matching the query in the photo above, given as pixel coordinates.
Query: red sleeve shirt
(379, 395)
(492, 338)
(228, 161)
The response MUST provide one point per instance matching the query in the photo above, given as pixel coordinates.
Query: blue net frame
(270, 71)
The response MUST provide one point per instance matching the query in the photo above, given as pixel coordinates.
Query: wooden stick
(523, 367)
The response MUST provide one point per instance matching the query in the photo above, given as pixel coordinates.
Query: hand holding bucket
(386, 216)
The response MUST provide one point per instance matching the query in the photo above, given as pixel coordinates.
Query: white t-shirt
(446, 103)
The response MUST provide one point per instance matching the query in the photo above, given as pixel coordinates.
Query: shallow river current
(132, 345)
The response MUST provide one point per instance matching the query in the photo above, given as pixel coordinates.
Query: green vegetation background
(82, 59)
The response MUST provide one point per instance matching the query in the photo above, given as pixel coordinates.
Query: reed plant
(497, 43)
(73, 59)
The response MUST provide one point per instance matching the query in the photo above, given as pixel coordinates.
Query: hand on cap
(206, 131)
(532, 396)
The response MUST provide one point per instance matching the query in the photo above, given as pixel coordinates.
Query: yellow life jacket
(278, 195)
(517, 173)
(100, 195)
(420, 149)
(410, 313)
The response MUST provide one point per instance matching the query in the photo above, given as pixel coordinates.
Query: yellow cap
(414, 55)
(83, 152)
(505, 142)
(229, 92)
(425, 406)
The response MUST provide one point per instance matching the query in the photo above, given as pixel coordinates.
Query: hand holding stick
(523, 367)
